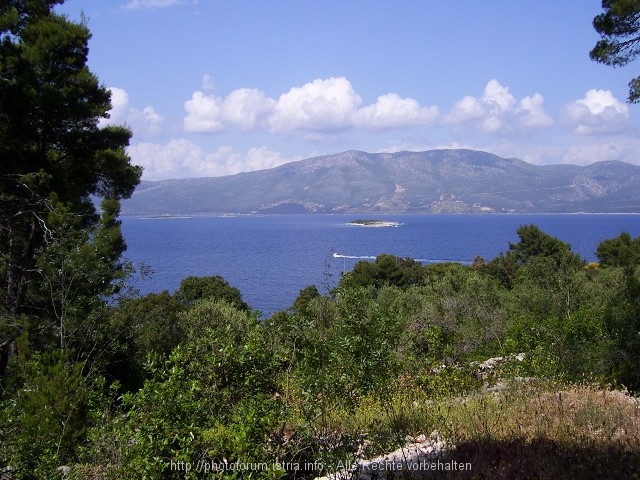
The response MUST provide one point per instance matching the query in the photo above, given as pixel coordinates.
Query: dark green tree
(214, 287)
(619, 28)
(59, 254)
(147, 328)
(54, 157)
(386, 270)
(504, 268)
(621, 251)
(535, 243)
(305, 296)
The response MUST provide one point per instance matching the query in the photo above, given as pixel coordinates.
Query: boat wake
(421, 260)
(356, 257)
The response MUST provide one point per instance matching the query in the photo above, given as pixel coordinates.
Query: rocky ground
(410, 461)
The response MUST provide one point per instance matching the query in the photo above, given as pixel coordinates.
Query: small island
(373, 223)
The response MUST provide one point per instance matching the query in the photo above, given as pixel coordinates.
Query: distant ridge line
(429, 182)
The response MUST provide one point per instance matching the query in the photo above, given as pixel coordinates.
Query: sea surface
(271, 258)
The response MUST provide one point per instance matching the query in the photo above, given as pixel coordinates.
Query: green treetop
(621, 251)
(54, 154)
(535, 243)
(619, 28)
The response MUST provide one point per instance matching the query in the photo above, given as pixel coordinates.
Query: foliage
(621, 251)
(466, 305)
(60, 258)
(151, 325)
(619, 27)
(78, 270)
(622, 318)
(386, 270)
(195, 288)
(209, 402)
(49, 419)
(367, 337)
(555, 317)
(503, 268)
(149, 328)
(535, 243)
(305, 297)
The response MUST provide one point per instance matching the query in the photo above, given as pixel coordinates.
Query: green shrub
(48, 420)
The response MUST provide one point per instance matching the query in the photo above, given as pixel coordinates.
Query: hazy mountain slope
(436, 181)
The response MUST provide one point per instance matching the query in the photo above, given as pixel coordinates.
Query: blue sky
(217, 87)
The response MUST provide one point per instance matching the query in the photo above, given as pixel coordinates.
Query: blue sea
(271, 258)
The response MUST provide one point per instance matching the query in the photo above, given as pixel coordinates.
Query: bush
(48, 421)
(212, 399)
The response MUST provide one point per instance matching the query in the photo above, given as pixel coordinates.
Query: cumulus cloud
(531, 114)
(321, 107)
(145, 121)
(204, 113)
(166, 161)
(182, 158)
(498, 111)
(598, 112)
(242, 109)
(119, 104)
(154, 4)
(317, 106)
(393, 111)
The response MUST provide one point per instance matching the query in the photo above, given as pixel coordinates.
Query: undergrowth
(529, 429)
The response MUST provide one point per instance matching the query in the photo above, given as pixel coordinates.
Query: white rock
(397, 462)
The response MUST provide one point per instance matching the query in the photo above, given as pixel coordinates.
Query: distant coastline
(373, 223)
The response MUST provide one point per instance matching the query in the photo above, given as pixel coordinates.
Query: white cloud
(182, 158)
(245, 108)
(166, 161)
(498, 111)
(154, 4)
(321, 105)
(151, 117)
(319, 108)
(119, 105)
(392, 111)
(598, 112)
(142, 122)
(465, 110)
(204, 113)
(242, 109)
(531, 114)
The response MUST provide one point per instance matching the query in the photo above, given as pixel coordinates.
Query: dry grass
(547, 431)
(529, 430)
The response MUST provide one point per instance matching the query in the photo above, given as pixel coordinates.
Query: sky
(218, 87)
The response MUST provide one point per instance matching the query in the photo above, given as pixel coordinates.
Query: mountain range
(434, 181)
